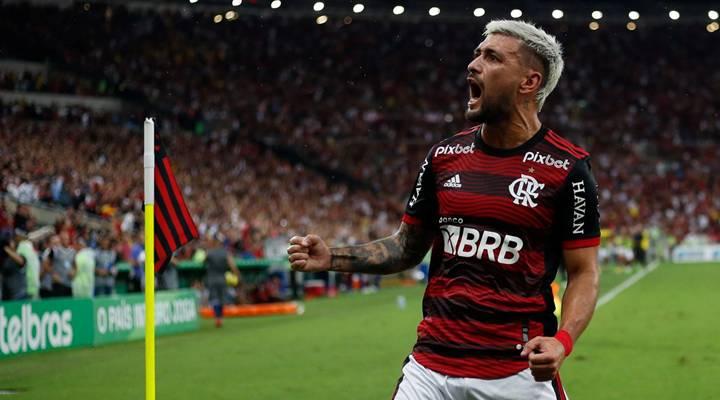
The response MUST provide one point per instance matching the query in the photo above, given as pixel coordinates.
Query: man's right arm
(395, 253)
(404, 249)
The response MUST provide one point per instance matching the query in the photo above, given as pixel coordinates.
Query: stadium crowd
(42, 82)
(232, 186)
(71, 258)
(276, 136)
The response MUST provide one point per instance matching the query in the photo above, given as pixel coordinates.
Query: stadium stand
(351, 109)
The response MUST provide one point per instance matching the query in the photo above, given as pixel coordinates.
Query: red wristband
(563, 337)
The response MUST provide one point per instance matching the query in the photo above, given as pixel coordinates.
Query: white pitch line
(609, 296)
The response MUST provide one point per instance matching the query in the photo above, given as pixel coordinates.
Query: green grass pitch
(659, 339)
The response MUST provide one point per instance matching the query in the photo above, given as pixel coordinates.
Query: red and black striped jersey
(502, 218)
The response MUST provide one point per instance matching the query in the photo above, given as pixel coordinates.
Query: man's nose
(474, 66)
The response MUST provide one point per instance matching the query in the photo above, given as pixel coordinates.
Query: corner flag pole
(149, 169)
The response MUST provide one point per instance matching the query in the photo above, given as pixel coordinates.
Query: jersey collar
(494, 151)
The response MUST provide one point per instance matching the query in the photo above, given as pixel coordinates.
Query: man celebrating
(502, 204)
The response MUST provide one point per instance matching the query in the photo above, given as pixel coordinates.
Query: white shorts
(420, 383)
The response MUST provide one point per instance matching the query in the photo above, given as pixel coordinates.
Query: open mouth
(475, 89)
(475, 93)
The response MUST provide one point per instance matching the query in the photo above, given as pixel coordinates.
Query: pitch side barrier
(248, 264)
(696, 253)
(253, 271)
(44, 325)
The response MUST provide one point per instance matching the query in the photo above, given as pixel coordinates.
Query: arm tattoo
(403, 250)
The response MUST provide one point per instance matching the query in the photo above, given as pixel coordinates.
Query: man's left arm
(546, 354)
(580, 218)
(581, 293)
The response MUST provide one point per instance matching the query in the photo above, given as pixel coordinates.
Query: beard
(491, 111)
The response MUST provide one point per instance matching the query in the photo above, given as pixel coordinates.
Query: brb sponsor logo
(456, 149)
(545, 159)
(30, 331)
(469, 242)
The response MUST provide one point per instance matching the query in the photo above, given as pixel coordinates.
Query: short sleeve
(579, 208)
(421, 208)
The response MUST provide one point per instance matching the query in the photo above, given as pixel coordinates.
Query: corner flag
(174, 226)
(168, 226)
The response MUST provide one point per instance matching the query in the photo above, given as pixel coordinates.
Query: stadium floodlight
(631, 26)
(557, 14)
(358, 8)
(516, 13)
(217, 19)
(433, 11)
(276, 4)
(230, 15)
(397, 10)
(597, 14)
(318, 6)
(674, 15)
(321, 19)
(193, 1)
(594, 26)
(712, 14)
(713, 27)
(479, 12)
(634, 15)
(236, 3)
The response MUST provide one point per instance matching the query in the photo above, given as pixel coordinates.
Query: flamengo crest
(525, 189)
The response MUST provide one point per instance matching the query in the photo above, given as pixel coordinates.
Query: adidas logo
(453, 182)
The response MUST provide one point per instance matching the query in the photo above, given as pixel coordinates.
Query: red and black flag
(174, 227)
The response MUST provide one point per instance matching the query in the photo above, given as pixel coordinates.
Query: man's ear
(532, 82)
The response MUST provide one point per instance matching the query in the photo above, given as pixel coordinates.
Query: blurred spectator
(6, 224)
(26, 249)
(59, 260)
(22, 190)
(269, 290)
(46, 267)
(83, 281)
(14, 278)
(137, 264)
(23, 219)
(168, 276)
(105, 267)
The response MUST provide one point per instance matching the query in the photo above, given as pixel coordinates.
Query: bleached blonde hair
(541, 43)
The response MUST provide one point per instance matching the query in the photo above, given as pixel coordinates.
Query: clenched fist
(545, 356)
(308, 254)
